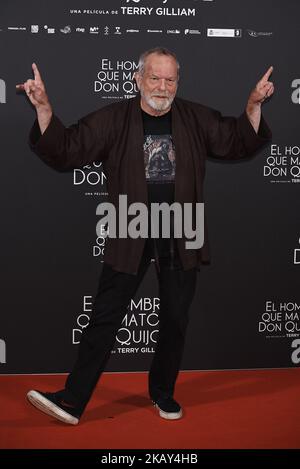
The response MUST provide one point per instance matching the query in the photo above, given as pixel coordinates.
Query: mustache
(161, 94)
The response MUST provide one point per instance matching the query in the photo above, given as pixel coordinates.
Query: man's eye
(153, 78)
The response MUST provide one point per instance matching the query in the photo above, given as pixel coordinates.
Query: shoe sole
(49, 408)
(169, 415)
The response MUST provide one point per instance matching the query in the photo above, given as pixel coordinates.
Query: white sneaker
(53, 404)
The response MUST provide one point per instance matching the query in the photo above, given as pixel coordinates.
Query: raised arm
(62, 147)
(235, 138)
(36, 92)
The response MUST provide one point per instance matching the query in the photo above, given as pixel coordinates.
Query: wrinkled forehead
(163, 66)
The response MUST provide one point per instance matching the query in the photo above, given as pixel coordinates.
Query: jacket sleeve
(234, 138)
(72, 147)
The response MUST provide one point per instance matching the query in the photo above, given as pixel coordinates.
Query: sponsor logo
(192, 31)
(173, 31)
(80, 30)
(259, 34)
(66, 30)
(34, 28)
(214, 32)
(49, 30)
(94, 29)
(16, 28)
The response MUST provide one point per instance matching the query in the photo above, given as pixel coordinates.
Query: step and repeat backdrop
(246, 309)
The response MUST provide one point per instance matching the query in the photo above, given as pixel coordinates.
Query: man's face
(158, 84)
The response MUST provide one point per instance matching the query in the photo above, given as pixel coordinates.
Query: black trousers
(115, 290)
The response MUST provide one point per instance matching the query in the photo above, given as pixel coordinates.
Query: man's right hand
(36, 93)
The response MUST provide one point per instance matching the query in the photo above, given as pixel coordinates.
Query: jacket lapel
(137, 145)
(184, 174)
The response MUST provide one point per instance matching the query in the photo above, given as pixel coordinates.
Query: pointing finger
(267, 74)
(37, 75)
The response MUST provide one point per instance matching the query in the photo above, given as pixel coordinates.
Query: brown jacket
(114, 135)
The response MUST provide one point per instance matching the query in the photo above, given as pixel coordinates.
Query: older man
(153, 148)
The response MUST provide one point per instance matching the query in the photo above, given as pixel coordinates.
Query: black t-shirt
(159, 160)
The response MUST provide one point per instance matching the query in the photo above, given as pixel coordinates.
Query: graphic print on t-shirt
(159, 155)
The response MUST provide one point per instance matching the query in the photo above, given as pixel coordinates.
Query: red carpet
(223, 409)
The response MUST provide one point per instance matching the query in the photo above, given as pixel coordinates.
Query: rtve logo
(296, 93)
(2, 351)
(2, 92)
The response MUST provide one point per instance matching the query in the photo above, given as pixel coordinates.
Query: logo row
(117, 30)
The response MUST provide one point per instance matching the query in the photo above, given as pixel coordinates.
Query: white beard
(157, 105)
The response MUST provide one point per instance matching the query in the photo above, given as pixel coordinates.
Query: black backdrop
(245, 313)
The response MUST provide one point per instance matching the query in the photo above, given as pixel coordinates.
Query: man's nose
(162, 84)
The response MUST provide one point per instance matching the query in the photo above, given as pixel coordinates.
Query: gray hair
(159, 51)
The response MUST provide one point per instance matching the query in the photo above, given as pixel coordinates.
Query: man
(153, 148)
